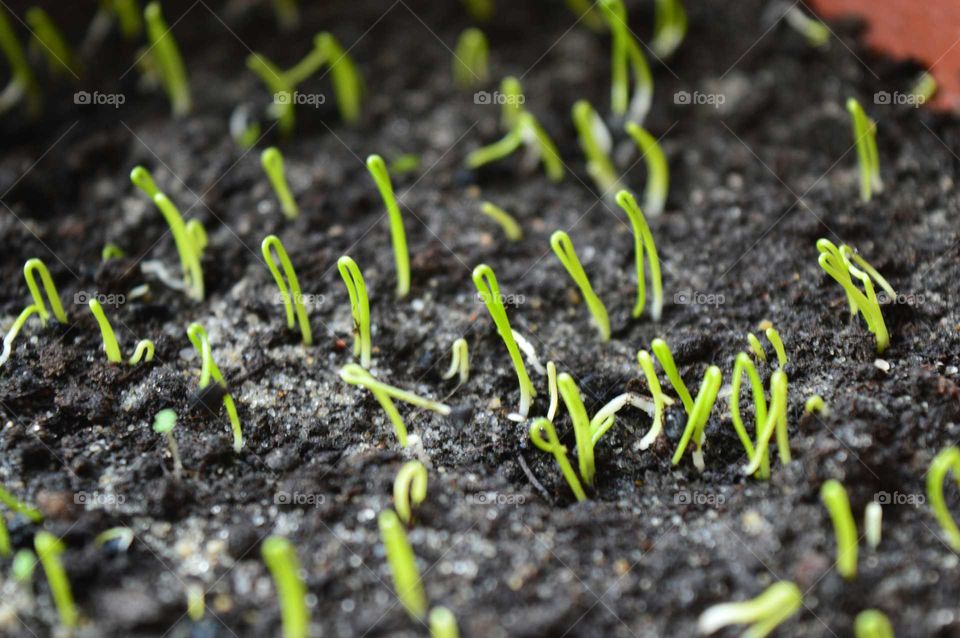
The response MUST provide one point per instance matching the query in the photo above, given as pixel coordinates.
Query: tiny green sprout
(774, 337)
(605, 417)
(195, 602)
(526, 131)
(359, 307)
(169, 61)
(816, 32)
(19, 507)
(5, 548)
(586, 12)
(582, 431)
(625, 55)
(403, 565)
(49, 549)
(669, 27)
(22, 83)
(378, 170)
(834, 498)
(552, 446)
(128, 15)
(489, 290)
(30, 270)
(405, 163)
(111, 251)
(385, 394)
(49, 39)
(513, 101)
(280, 557)
(210, 373)
(470, 59)
(643, 240)
(764, 613)
(122, 535)
(743, 365)
(288, 14)
(142, 352)
(272, 161)
(289, 291)
(563, 249)
(873, 524)
(925, 88)
(872, 623)
(663, 354)
(946, 461)
(596, 143)
(409, 489)
(658, 171)
(24, 564)
(481, 10)
(552, 390)
(776, 421)
(459, 361)
(659, 399)
(698, 417)
(815, 405)
(865, 139)
(443, 624)
(756, 347)
(508, 223)
(163, 424)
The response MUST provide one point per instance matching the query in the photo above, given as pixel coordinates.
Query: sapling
(626, 55)
(743, 365)
(643, 241)
(595, 141)
(378, 170)
(816, 32)
(659, 399)
(142, 352)
(552, 446)
(289, 291)
(873, 524)
(359, 307)
(662, 352)
(872, 623)
(39, 307)
(525, 131)
(658, 171)
(489, 290)
(865, 139)
(403, 565)
(20, 507)
(167, 55)
(51, 42)
(563, 249)
(581, 425)
(947, 460)
(776, 421)
(756, 347)
(698, 416)
(470, 59)
(459, 361)
(443, 624)
(764, 613)
(507, 222)
(280, 557)
(409, 489)
(49, 548)
(210, 373)
(22, 83)
(163, 423)
(834, 498)
(774, 337)
(669, 27)
(272, 161)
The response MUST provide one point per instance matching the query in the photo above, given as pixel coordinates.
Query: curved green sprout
(774, 337)
(552, 446)
(596, 144)
(209, 372)
(873, 524)
(281, 559)
(459, 361)
(816, 32)
(513, 101)
(643, 240)
(582, 431)
(815, 405)
(272, 161)
(39, 307)
(163, 423)
(658, 171)
(378, 170)
(669, 27)
(280, 87)
(292, 297)
(51, 42)
(865, 138)
(776, 420)
(625, 55)
(11, 335)
(526, 131)
(872, 623)
(605, 417)
(925, 88)
(409, 489)
(698, 417)
(167, 54)
(23, 84)
(509, 225)
(470, 59)
(403, 565)
(144, 348)
(552, 391)
(19, 507)
(743, 365)
(443, 624)
(359, 307)
(489, 290)
(946, 461)
(563, 249)
(834, 498)
(111, 251)
(756, 347)
(343, 73)
(662, 352)
(49, 549)
(123, 537)
(764, 613)
(659, 399)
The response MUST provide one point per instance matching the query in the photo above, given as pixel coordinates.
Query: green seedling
(581, 425)
(347, 82)
(111, 251)
(526, 131)
(404, 164)
(643, 240)
(23, 565)
(489, 290)
(288, 14)
(378, 170)
(552, 391)
(513, 100)
(776, 421)
(605, 417)
(925, 88)
(816, 33)
(443, 624)
(698, 417)
(756, 347)
(403, 565)
(51, 43)
(409, 489)
(658, 171)
(163, 424)
(122, 535)
(626, 55)
(385, 394)
(196, 603)
(470, 67)
(289, 291)
(596, 143)
(165, 51)
(49, 549)
(659, 399)
(552, 446)
(359, 307)
(280, 557)
(872, 623)
(865, 139)
(481, 10)
(669, 27)
(774, 338)
(459, 361)
(947, 460)
(834, 498)
(142, 352)
(563, 249)
(873, 524)
(128, 15)
(663, 354)
(5, 548)
(743, 365)
(39, 307)
(586, 12)
(509, 225)
(210, 373)
(815, 405)
(19, 507)
(272, 161)
(23, 85)
(764, 613)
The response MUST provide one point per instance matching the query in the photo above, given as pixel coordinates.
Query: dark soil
(500, 539)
